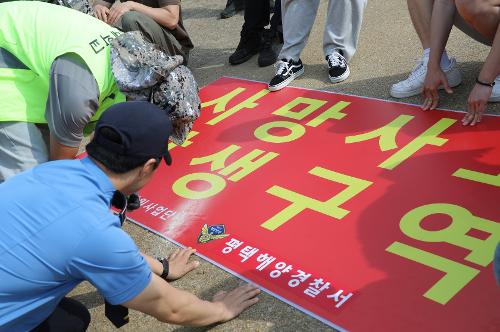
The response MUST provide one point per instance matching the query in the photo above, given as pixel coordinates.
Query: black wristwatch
(164, 262)
(492, 84)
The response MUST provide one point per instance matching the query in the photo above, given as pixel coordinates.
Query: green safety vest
(37, 33)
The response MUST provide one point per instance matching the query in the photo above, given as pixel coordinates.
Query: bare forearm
(491, 67)
(167, 16)
(171, 305)
(443, 14)
(154, 264)
(192, 311)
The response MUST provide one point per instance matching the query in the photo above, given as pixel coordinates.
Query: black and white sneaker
(286, 71)
(338, 70)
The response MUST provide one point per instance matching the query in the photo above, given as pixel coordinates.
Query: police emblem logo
(210, 233)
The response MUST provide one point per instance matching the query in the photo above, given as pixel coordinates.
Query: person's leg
(268, 54)
(135, 21)
(342, 28)
(298, 17)
(421, 13)
(232, 7)
(276, 24)
(69, 316)
(343, 24)
(256, 18)
(482, 15)
(22, 146)
(480, 19)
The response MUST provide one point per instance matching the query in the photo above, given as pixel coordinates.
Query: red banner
(369, 215)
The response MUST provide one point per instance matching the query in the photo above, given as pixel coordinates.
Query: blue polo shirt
(56, 230)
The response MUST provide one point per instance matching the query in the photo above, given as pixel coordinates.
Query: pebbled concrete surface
(387, 52)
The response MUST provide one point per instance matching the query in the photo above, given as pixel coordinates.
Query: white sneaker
(495, 93)
(414, 84)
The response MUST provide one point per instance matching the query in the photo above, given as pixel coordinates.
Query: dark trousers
(69, 316)
(257, 17)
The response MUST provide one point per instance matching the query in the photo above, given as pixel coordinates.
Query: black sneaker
(246, 49)
(232, 7)
(267, 54)
(338, 70)
(286, 71)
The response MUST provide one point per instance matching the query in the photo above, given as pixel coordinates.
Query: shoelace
(336, 60)
(281, 67)
(416, 72)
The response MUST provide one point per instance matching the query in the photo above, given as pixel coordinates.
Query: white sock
(426, 54)
(445, 60)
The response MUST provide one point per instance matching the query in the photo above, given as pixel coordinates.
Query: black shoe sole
(243, 59)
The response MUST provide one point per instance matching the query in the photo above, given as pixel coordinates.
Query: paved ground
(387, 51)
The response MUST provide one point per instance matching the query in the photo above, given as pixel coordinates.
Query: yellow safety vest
(37, 33)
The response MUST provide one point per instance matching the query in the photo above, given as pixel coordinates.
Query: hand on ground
(476, 104)
(237, 300)
(433, 80)
(179, 264)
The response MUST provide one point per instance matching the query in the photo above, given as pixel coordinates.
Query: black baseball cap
(143, 128)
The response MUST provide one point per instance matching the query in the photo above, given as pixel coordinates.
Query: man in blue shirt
(57, 230)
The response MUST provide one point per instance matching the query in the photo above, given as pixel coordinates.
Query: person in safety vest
(60, 69)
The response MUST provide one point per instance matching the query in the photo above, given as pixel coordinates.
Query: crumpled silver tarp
(81, 5)
(144, 72)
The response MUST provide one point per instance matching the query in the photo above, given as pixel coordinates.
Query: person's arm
(111, 261)
(178, 263)
(167, 16)
(154, 264)
(59, 151)
(101, 9)
(171, 305)
(72, 101)
(443, 14)
(478, 98)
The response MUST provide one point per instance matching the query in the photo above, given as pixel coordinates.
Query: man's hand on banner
(179, 264)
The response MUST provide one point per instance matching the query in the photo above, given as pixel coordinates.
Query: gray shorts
(71, 103)
(22, 146)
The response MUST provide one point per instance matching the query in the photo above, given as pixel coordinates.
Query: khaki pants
(135, 21)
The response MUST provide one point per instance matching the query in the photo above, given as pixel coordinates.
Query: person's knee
(130, 20)
(472, 10)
